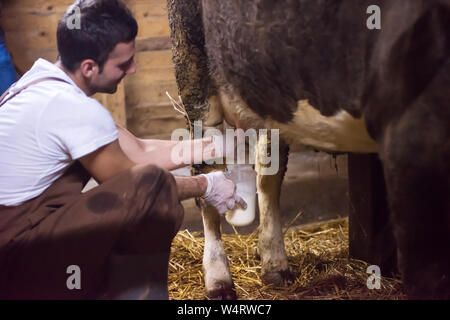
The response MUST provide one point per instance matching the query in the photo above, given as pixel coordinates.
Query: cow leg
(216, 270)
(218, 281)
(275, 266)
(416, 158)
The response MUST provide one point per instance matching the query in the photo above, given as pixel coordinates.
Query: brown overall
(136, 212)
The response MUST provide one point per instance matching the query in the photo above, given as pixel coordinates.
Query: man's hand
(221, 193)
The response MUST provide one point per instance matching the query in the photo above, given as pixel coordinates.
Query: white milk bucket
(245, 179)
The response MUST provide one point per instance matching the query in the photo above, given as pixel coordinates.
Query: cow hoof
(222, 292)
(280, 278)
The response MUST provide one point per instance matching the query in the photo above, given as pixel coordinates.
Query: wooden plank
(29, 35)
(154, 76)
(148, 7)
(153, 44)
(370, 233)
(153, 6)
(141, 124)
(36, 6)
(152, 17)
(149, 75)
(155, 111)
(151, 59)
(153, 93)
(151, 85)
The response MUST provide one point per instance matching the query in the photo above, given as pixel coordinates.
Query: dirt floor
(315, 184)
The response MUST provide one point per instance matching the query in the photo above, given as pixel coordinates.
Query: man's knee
(157, 198)
(148, 175)
(152, 182)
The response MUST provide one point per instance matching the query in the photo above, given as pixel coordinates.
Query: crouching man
(115, 238)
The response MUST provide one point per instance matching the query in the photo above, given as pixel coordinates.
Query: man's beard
(111, 88)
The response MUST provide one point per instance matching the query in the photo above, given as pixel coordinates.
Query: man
(114, 241)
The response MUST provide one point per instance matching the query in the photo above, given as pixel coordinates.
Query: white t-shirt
(44, 129)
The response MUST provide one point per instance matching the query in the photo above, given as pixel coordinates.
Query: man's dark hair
(102, 25)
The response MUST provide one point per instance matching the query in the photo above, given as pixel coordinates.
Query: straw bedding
(318, 255)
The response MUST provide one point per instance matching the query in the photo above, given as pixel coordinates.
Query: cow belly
(340, 133)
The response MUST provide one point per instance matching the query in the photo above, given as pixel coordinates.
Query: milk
(245, 179)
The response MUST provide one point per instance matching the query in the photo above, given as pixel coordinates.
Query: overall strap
(3, 100)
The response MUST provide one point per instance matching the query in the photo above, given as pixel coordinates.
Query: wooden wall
(141, 102)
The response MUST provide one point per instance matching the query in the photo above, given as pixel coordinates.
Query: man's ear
(89, 68)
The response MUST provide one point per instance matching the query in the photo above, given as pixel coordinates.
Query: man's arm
(110, 160)
(191, 187)
(106, 162)
(159, 152)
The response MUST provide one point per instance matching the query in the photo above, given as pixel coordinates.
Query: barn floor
(314, 206)
(318, 256)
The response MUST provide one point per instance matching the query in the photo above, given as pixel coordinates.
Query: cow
(316, 71)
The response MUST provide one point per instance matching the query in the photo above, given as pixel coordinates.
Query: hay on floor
(318, 254)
